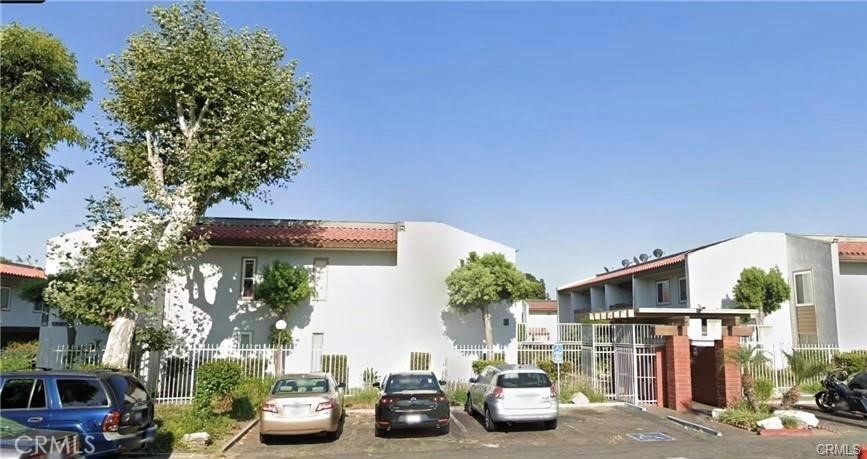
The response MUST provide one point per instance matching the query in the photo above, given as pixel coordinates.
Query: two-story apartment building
(379, 292)
(827, 276)
(20, 319)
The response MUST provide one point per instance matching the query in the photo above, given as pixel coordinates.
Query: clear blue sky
(579, 133)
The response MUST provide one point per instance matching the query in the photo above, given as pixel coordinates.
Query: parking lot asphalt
(597, 432)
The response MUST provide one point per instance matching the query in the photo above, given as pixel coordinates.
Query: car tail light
(498, 393)
(385, 401)
(111, 422)
(269, 407)
(325, 406)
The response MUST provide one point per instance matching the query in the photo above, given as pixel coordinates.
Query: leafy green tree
(761, 290)
(747, 358)
(41, 95)
(34, 292)
(482, 281)
(802, 368)
(537, 290)
(198, 114)
(282, 288)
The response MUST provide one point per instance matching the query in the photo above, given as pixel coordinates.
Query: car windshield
(10, 429)
(402, 383)
(301, 386)
(523, 380)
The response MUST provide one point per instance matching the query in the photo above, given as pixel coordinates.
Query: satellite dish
(644, 257)
(625, 262)
(657, 253)
(606, 269)
(635, 260)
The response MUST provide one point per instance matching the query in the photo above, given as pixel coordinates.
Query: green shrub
(248, 397)
(174, 421)
(551, 368)
(851, 362)
(764, 390)
(419, 361)
(365, 398)
(215, 383)
(790, 422)
(573, 384)
(19, 356)
(743, 416)
(336, 365)
(457, 395)
(480, 365)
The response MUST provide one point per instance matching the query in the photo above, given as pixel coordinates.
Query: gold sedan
(303, 404)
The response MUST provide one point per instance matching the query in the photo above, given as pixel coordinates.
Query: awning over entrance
(670, 315)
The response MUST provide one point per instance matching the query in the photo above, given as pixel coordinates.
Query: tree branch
(158, 183)
(181, 120)
(198, 123)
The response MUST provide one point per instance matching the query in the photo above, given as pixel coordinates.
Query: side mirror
(376, 385)
(473, 380)
(442, 382)
(341, 386)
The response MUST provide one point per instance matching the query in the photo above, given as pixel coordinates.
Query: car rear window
(131, 390)
(300, 386)
(523, 380)
(81, 393)
(16, 394)
(401, 383)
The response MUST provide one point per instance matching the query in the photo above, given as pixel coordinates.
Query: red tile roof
(852, 251)
(298, 233)
(19, 270)
(542, 306)
(627, 272)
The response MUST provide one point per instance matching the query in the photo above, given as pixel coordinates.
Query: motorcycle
(842, 397)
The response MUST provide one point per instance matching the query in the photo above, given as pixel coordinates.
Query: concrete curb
(695, 426)
(239, 435)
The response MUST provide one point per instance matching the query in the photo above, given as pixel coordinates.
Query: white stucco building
(827, 276)
(379, 292)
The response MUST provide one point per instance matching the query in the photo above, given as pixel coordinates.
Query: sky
(578, 133)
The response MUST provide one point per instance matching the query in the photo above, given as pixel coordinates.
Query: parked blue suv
(111, 411)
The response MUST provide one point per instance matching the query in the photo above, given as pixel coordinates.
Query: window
(411, 382)
(663, 292)
(681, 289)
(523, 380)
(133, 392)
(301, 385)
(506, 322)
(245, 338)
(76, 393)
(248, 277)
(23, 394)
(804, 288)
(38, 306)
(5, 296)
(320, 279)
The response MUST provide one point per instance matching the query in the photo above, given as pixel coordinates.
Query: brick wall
(728, 381)
(678, 388)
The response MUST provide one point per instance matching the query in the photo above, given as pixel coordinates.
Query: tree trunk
(489, 332)
(749, 387)
(791, 397)
(119, 343)
(71, 333)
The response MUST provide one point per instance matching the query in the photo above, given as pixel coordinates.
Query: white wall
(713, 272)
(614, 294)
(548, 320)
(645, 289)
(597, 299)
(852, 306)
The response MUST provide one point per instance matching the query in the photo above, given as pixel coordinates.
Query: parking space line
(571, 427)
(458, 423)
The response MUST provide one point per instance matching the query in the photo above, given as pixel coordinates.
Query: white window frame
(244, 277)
(320, 278)
(795, 289)
(239, 336)
(8, 298)
(682, 290)
(656, 291)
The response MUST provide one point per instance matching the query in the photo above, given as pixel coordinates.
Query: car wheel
(333, 436)
(551, 425)
(264, 439)
(380, 433)
(444, 430)
(490, 425)
(468, 405)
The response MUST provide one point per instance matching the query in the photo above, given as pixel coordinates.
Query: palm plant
(747, 358)
(802, 369)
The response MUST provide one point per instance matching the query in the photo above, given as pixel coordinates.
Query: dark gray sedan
(18, 441)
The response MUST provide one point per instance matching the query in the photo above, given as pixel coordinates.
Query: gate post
(678, 373)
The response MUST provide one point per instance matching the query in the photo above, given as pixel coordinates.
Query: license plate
(294, 409)
(413, 418)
